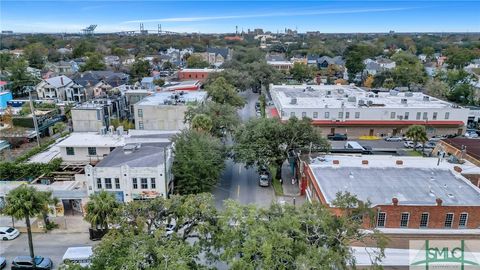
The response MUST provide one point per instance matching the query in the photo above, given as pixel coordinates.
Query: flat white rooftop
(336, 96)
(173, 98)
(418, 181)
(92, 139)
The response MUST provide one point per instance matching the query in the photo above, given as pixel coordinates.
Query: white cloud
(273, 14)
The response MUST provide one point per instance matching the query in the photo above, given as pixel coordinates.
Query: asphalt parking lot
(51, 245)
(375, 144)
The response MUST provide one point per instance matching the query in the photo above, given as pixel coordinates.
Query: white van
(78, 255)
(353, 145)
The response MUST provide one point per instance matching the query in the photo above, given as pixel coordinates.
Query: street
(51, 245)
(240, 183)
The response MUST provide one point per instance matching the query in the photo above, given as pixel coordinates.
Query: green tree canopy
(301, 72)
(458, 57)
(83, 48)
(417, 133)
(202, 122)
(19, 77)
(224, 117)
(94, 62)
(222, 92)
(36, 54)
(408, 70)
(199, 161)
(196, 61)
(140, 69)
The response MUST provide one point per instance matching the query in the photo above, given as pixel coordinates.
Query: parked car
(393, 139)
(471, 133)
(337, 137)
(78, 255)
(8, 233)
(264, 176)
(257, 106)
(25, 262)
(3, 262)
(430, 144)
(410, 144)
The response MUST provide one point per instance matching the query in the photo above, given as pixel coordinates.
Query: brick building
(200, 74)
(405, 192)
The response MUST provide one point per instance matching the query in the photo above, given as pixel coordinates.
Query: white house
(136, 171)
(61, 88)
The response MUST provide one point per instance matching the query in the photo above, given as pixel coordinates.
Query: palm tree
(417, 133)
(26, 202)
(101, 210)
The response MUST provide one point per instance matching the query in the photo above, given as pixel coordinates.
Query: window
(92, 151)
(140, 113)
(98, 115)
(347, 115)
(99, 183)
(327, 115)
(392, 115)
(144, 183)
(292, 114)
(424, 220)
(449, 220)
(304, 114)
(134, 182)
(434, 117)
(462, 221)
(406, 115)
(382, 217)
(404, 220)
(340, 115)
(117, 183)
(315, 115)
(357, 115)
(153, 185)
(108, 183)
(447, 115)
(425, 116)
(70, 151)
(419, 114)
(140, 125)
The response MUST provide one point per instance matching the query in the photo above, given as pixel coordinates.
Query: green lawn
(277, 187)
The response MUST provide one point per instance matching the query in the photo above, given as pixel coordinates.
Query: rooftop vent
(329, 92)
(352, 99)
(393, 92)
(340, 91)
(403, 101)
(369, 103)
(293, 101)
(361, 102)
(426, 98)
(408, 94)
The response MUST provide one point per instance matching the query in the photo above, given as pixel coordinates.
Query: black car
(25, 262)
(337, 137)
(3, 262)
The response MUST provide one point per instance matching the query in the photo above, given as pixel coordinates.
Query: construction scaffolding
(89, 30)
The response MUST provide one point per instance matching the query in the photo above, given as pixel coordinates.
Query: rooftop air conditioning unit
(361, 102)
(329, 92)
(370, 103)
(403, 101)
(408, 94)
(352, 99)
(393, 92)
(340, 91)
(426, 98)
(293, 101)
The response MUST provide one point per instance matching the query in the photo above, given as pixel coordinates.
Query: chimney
(336, 162)
(394, 201)
(61, 79)
(364, 162)
(399, 162)
(439, 202)
(457, 169)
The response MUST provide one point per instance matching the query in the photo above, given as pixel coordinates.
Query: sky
(223, 16)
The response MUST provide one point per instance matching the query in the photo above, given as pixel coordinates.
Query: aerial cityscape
(239, 135)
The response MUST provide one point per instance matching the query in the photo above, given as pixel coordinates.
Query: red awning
(385, 123)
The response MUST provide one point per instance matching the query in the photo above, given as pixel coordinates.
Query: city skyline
(223, 17)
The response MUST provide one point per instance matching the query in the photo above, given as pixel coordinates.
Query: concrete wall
(355, 132)
(162, 117)
(81, 154)
(87, 120)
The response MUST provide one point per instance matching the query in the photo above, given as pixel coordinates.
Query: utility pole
(32, 109)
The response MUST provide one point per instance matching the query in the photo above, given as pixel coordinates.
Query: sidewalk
(70, 224)
(289, 190)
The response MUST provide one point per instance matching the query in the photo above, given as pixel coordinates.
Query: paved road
(52, 245)
(381, 144)
(240, 183)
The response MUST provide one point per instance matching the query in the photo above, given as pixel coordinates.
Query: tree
(266, 141)
(199, 161)
(124, 123)
(5, 61)
(19, 77)
(369, 81)
(159, 82)
(428, 51)
(54, 55)
(101, 210)
(408, 70)
(437, 88)
(168, 66)
(140, 69)
(224, 117)
(83, 48)
(417, 133)
(25, 202)
(202, 122)
(196, 61)
(94, 62)
(458, 57)
(36, 54)
(301, 72)
(120, 52)
(224, 93)
(354, 56)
